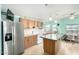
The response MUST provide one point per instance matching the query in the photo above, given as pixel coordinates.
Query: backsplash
(28, 32)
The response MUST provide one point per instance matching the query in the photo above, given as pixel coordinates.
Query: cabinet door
(25, 23)
(34, 40)
(48, 45)
(31, 24)
(39, 24)
(52, 48)
(45, 45)
(26, 42)
(30, 41)
(36, 24)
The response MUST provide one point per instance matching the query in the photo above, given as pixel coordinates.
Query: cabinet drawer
(30, 41)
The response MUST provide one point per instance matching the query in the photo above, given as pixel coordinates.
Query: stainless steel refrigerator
(13, 36)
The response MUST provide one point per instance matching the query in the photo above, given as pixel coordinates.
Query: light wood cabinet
(25, 23)
(30, 41)
(26, 42)
(34, 40)
(39, 24)
(36, 24)
(31, 23)
(49, 46)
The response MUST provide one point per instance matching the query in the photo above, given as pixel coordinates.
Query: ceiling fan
(74, 15)
(71, 15)
(46, 5)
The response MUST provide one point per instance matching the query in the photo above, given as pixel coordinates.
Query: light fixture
(72, 17)
(46, 4)
(55, 21)
(50, 18)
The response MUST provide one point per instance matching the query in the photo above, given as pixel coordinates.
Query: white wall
(16, 18)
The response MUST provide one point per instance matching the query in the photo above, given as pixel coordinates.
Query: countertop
(51, 36)
(58, 37)
(30, 35)
(31, 32)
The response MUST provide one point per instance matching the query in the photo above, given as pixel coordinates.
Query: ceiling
(42, 11)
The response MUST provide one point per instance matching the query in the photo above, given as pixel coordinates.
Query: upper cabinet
(39, 24)
(27, 23)
(31, 24)
(36, 24)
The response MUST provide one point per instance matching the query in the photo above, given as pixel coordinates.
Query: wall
(49, 26)
(16, 18)
(0, 29)
(66, 21)
(62, 24)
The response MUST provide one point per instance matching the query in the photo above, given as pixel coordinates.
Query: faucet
(32, 32)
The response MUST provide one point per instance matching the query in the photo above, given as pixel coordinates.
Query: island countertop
(51, 36)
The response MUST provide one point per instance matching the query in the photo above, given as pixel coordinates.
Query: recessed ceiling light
(50, 18)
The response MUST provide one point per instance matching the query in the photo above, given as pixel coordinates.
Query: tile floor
(63, 48)
(35, 50)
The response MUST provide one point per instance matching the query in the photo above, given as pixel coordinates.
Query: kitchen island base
(49, 46)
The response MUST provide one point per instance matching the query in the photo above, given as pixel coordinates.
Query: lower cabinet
(30, 41)
(49, 46)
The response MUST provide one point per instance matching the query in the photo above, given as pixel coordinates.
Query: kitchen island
(54, 45)
(49, 43)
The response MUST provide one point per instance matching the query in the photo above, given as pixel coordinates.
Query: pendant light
(72, 17)
(55, 21)
(50, 18)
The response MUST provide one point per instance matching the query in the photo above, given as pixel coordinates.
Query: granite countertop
(51, 36)
(58, 37)
(30, 35)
